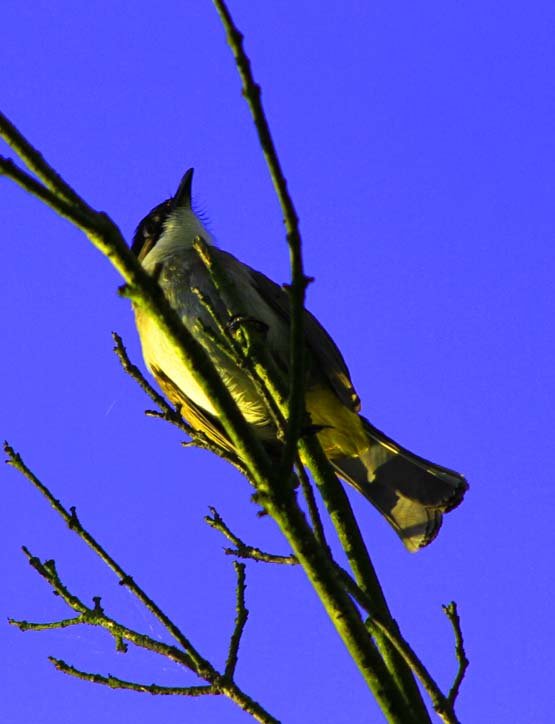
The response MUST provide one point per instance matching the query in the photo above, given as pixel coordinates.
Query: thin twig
(241, 617)
(313, 511)
(32, 626)
(115, 683)
(442, 706)
(242, 550)
(299, 282)
(297, 289)
(453, 615)
(95, 616)
(170, 413)
(220, 687)
(48, 571)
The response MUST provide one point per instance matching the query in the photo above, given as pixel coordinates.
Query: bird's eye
(150, 229)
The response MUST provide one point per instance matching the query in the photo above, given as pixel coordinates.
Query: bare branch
(453, 615)
(242, 615)
(30, 626)
(48, 571)
(441, 704)
(248, 705)
(168, 412)
(115, 683)
(71, 519)
(242, 550)
(95, 616)
(313, 512)
(171, 414)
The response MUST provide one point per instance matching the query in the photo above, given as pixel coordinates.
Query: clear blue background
(418, 141)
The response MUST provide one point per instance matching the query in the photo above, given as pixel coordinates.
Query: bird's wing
(197, 418)
(326, 358)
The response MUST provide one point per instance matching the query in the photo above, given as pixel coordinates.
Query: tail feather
(411, 492)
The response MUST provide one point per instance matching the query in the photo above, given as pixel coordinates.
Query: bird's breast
(178, 278)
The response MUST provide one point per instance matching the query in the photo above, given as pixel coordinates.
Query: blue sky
(417, 140)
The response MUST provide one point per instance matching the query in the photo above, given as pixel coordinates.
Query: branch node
(121, 646)
(74, 520)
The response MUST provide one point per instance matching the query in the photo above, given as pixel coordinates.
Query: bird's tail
(412, 493)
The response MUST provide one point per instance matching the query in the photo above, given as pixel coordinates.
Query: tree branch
(242, 550)
(352, 542)
(37, 164)
(441, 704)
(240, 621)
(299, 282)
(296, 406)
(453, 615)
(169, 413)
(186, 656)
(313, 512)
(248, 705)
(115, 683)
(70, 517)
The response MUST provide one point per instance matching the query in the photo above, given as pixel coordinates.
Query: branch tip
(73, 522)
(451, 611)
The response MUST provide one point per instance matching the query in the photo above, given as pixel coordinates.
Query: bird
(411, 492)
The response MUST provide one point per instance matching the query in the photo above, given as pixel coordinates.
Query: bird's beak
(182, 198)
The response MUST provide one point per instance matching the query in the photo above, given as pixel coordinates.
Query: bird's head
(169, 227)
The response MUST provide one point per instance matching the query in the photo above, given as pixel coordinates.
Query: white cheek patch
(180, 230)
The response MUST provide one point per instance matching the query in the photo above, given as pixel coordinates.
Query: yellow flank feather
(342, 433)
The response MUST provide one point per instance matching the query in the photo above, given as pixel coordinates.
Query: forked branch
(184, 654)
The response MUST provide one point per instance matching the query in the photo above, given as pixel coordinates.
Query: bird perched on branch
(411, 492)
